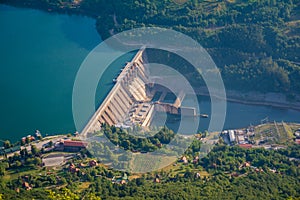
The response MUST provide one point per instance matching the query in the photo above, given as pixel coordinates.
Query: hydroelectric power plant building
(134, 99)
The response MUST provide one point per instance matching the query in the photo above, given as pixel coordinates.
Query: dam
(135, 98)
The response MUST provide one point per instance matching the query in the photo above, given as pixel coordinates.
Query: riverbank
(277, 100)
(78, 8)
(249, 98)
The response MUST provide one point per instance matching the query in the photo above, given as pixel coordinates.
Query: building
(184, 160)
(93, 163)
(10, 150)
(26, 186)
(73, 146)
(120, 180)
(241, 139)
(231, 136)
(246, 146)
(73, 169)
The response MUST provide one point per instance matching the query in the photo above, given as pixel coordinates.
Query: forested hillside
(226, 173)
(256, 44)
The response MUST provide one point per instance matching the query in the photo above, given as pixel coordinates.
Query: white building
(231, 136)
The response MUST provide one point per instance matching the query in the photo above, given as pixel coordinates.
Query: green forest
(225, 173)
(254, 42)
(256, 46)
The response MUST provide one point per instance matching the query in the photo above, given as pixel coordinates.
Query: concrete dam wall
(130, 100)
(129, 89)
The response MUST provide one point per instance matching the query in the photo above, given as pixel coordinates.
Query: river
(40, 54)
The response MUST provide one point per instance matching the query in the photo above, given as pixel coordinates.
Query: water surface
(40, 54)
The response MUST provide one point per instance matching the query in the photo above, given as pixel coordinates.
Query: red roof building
(297, 141)
(246, 146)
(70, 145)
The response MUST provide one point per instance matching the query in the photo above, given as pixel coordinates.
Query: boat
(204, 115)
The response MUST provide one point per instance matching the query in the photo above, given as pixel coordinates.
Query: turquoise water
(40, 54)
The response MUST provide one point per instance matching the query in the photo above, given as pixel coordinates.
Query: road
(38, 144)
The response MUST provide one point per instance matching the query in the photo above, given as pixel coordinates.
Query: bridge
(130, 101)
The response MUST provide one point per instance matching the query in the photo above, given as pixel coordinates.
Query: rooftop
(71, 143)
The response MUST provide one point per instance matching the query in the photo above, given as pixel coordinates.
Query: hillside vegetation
(255, 44)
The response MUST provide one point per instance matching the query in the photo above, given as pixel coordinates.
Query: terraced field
(146, 162)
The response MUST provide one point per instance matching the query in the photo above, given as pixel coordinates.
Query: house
(74, 146)
(93, 163)
(26, 186)
(156, 180)
(31, 138)
(245, 164)
(196, 159)
(120, 180)
(297, 141)
(241, 139)
(81, 165)
(73, 169)
(258, 170)
(184, 160)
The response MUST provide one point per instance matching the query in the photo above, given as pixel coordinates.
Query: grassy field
(147, 162)
(276, 132)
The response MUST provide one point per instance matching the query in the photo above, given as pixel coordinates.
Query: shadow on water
(81, 30)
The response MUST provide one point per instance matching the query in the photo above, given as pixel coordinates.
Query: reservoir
(40, 54)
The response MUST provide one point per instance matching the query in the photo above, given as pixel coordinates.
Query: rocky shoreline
(277, 100)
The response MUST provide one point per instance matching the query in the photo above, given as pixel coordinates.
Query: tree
(92, 196)
(24, 152)
(63, 194)
(34, 150)
(7, 144)
(18, 163)
(125, 144)
(28, 140)
(3, 166)
(37, 161)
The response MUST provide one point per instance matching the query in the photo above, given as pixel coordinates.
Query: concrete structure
(231, 135)
(188, 111)
(130, 100)
(124, 100)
